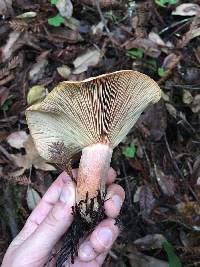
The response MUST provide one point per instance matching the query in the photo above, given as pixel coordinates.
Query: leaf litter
(158, 163)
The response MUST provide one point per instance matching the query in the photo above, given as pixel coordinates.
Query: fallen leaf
(29, 14)
(154, 37)
(64, 35)
(146, 201)
(170, 60)
(35, 158)
(56, 21)
(64, 71)
(171, 109)
(65, 8)
(25, 162)
(6, 7)
(138, 259)
(153, 241)
(36, 94)
(150, 48)
(129, 152)
(172, 257)
(187, 9)
(165, 182)
(155, 120)
(17, 139)
(136, 196)
(187, 97)
(90, 58)
(193, 32)
(72, 24)
(4, 93)
(190, 212)
(37, 70)
(9, 47)
(32, 198)
(196, 104)
(98, 28)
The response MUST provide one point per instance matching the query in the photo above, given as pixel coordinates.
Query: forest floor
(158, 163)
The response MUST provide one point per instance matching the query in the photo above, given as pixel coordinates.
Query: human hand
(33, 246)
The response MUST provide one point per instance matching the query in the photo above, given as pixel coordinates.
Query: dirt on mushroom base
(81, 228)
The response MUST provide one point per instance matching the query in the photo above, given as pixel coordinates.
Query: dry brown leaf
(150, 241)
(187, 9)
(73, 24)
(150, 48)
(146, 201)
(196, 104)
(25, 162)
(165, 182)
(65, 8)
(9, 47)
(64, 71)
(6, 7)
(138, 259)
(192, 33)
(154, 37)
(190, 212)
(4, 93)
(34, 157)
(32, 198)
(171, 109)
(90, 58)
(37, 70)
(17, 139)
(64, 35)
(187, 97)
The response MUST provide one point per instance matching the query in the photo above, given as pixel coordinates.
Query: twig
(102, 16)
(174, 25)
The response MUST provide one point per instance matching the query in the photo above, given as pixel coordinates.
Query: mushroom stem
(93, 169)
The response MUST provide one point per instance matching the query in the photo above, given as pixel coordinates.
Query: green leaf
(56, 21)
(152, 64)
(129, 152)
(6, 105)
(161, 72)
(54, 2)
(135, 53)
(173, 259)
(163, 3)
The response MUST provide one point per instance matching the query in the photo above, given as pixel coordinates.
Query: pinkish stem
(93, 169)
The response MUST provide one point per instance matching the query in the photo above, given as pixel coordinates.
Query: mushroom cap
(102, 109)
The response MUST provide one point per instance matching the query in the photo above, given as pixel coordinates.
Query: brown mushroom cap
(97, 110)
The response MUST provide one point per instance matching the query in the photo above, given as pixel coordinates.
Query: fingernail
(86, 252)
(105, 237)
(68, 194)
(117, 201)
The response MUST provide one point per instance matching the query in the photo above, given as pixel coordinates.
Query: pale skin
(52, 217)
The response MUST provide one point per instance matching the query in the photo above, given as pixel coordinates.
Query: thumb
(54, 225)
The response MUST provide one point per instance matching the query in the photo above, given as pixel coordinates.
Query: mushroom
(94, 116)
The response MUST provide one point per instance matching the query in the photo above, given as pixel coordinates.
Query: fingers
(49, 200)
(100, 241)
(104, 235)
(91, 247)
(45, 237)
(111, 176)
(43, 208)
(114, 200)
